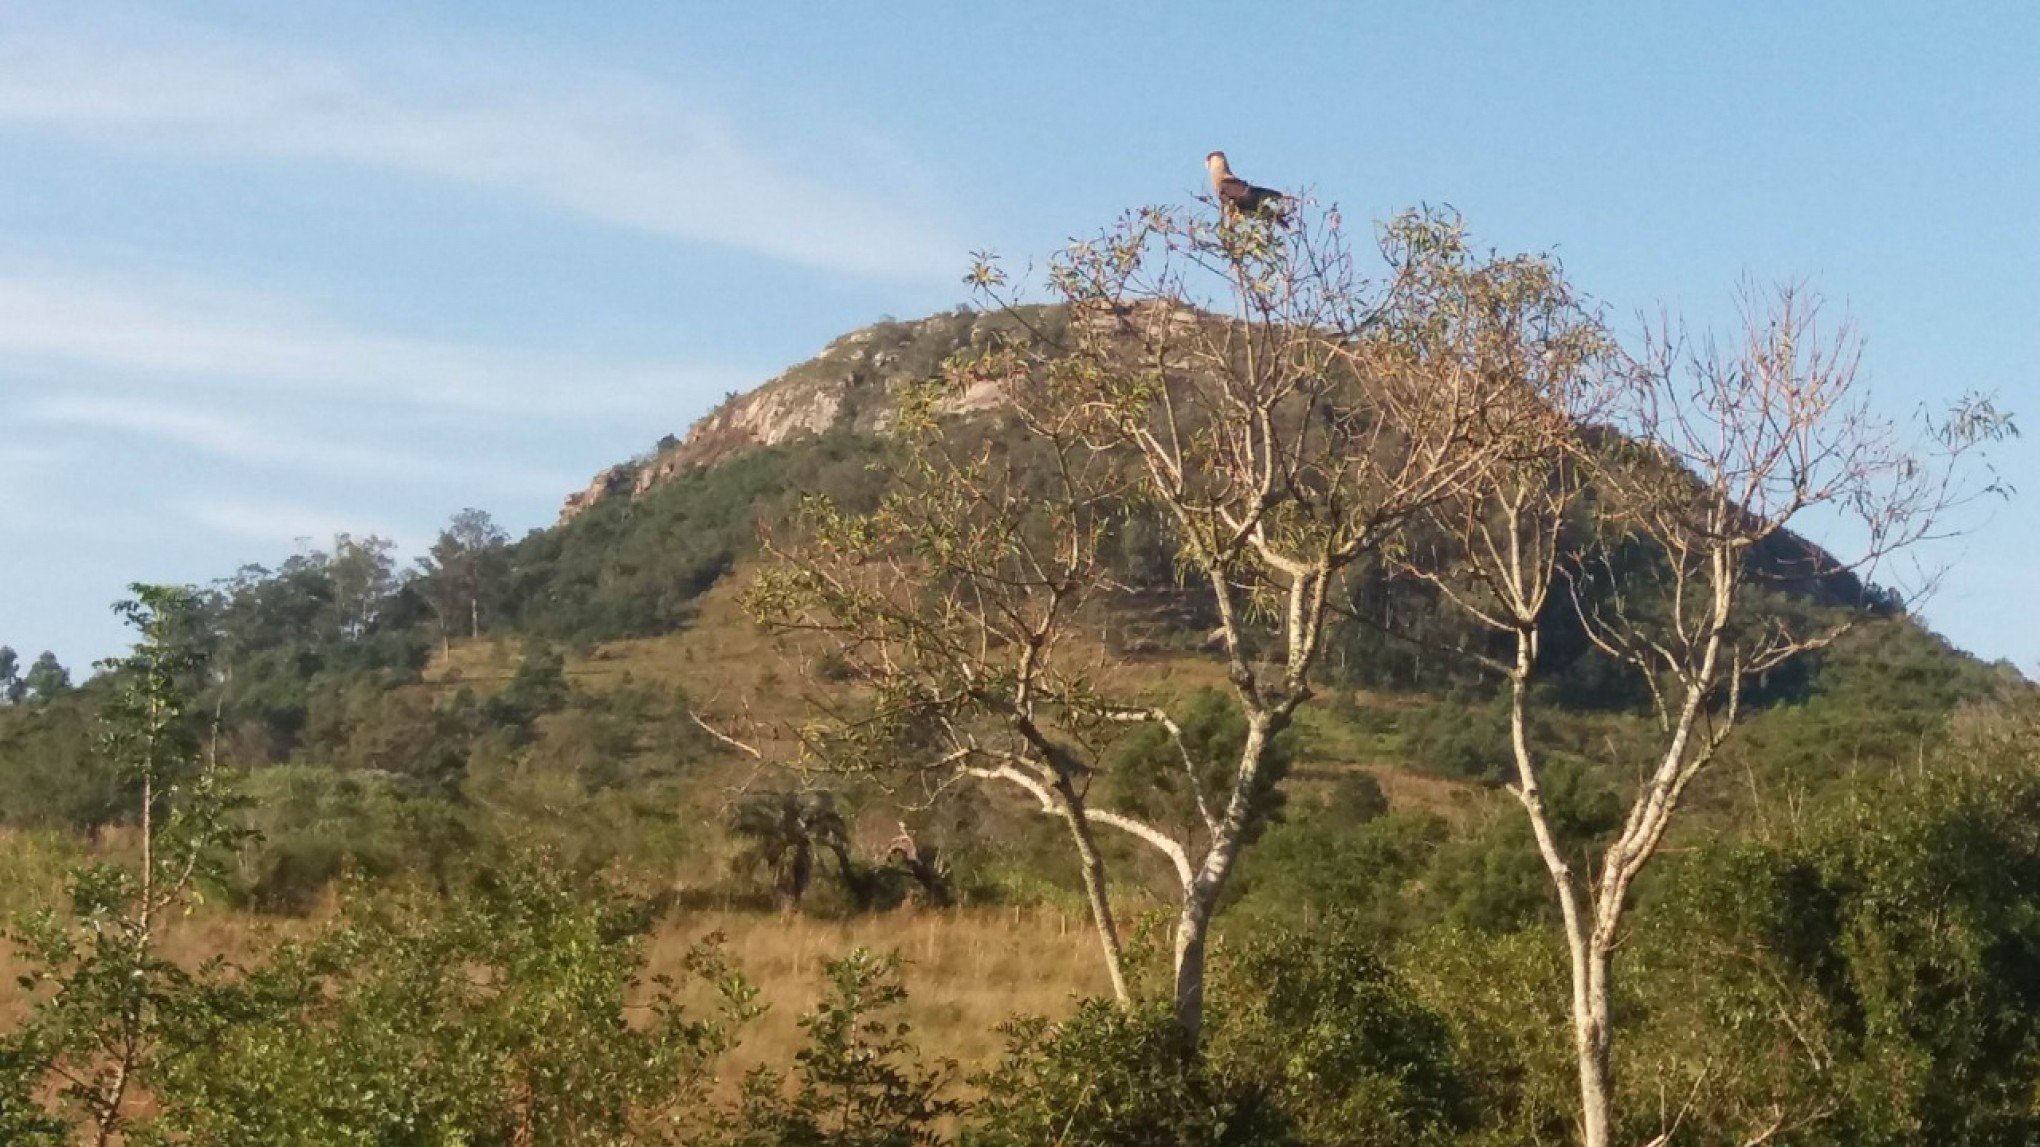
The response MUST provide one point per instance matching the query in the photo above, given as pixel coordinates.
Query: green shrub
(858, 1082)
(1320, 866)
(1110, 1077)
(1459, 740)
(511, 1013)
(1319, 1021)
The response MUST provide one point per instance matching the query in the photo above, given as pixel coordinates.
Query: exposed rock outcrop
(848, 386)
(606, 483)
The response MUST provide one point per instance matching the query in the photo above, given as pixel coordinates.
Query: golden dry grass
(967, 970)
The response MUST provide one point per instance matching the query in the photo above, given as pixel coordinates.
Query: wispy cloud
(24, 472)
(606, 146)
(278, 445)
(180, 332)
(18, 460)
(270, 520)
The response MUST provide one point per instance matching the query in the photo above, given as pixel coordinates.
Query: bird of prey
(1238, 197)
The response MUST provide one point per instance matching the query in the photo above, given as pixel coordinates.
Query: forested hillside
(455, 813)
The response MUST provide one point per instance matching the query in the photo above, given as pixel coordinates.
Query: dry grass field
(968, 970)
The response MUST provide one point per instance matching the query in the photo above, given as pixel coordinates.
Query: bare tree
(949, 613)
(1242, 382)
(1678, 474)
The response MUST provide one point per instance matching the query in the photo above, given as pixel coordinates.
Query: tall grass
(967, 970)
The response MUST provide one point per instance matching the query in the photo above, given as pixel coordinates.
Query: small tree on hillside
(101, 980)
(1678, 525)
(12, 690)
(1243, 383)
(46, 679)
(462, 570)
(364, 576)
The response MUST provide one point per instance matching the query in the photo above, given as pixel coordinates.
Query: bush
(313, 824)
(1109, 1077)
(859, 1082)
(1460, 740)
(509, 1014)
(1319, 867)
(1319, 1021)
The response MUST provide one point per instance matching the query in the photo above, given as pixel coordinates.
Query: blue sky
(268, 272)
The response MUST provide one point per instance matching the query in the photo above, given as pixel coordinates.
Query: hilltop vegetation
(470, 792)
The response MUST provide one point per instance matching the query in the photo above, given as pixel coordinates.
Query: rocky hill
(675, 521)
(845, 387)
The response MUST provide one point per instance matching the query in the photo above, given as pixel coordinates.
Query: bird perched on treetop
(1238, 197)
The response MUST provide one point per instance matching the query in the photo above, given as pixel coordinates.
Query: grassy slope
(740, 679)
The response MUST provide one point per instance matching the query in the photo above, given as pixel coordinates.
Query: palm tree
(782, 832)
